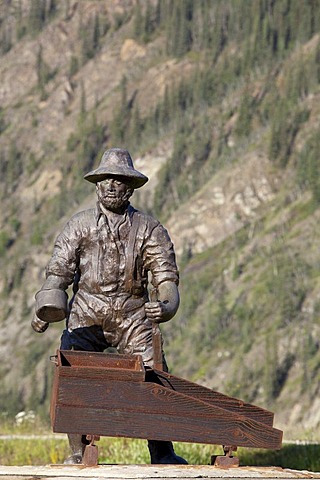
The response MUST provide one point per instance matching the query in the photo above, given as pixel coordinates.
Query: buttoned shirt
(106, 260)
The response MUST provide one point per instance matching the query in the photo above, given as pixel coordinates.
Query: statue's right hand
(38, 325)
(51, 305)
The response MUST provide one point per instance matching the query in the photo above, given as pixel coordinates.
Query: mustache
(113, 194)
(114, 201)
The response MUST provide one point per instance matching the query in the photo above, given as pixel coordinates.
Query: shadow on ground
(296, 457)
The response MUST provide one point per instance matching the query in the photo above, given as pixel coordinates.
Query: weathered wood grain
(229, 429)
(76, 358)
(210, 396)
(104, 374)
(100, 365)
(127, 400)
(138, 396)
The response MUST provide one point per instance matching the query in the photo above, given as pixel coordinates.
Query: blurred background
(218, 103)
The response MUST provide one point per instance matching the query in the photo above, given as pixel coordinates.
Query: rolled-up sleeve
(160, 258)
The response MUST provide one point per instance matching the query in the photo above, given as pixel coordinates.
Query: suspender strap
(130, 263)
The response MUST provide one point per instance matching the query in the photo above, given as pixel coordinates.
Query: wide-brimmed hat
(117, 162)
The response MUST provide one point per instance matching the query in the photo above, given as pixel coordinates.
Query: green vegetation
(308, 166)
(49, 450)
(4, 242)
(233, 78)
(268, 29)
(265, 34)
(11, 167)
(44, 73)
(41, 11)
(296, 457)
(90, 34)
(228, 304)
(24, 20)
(32, 451)
(3, 124)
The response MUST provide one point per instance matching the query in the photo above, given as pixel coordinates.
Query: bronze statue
(108, 254)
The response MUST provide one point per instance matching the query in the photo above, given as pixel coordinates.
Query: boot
(77, 447)
(163, 453)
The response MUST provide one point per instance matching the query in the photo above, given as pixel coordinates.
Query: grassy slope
(248, 323)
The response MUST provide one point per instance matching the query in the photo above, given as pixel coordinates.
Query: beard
(116, 203)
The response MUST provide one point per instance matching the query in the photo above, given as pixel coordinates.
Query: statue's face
(113, 193)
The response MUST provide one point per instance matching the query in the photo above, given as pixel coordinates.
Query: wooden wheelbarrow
(116, 395)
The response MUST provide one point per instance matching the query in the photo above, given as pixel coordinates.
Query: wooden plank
(54, 395)
(105, 374)
(77, 358)
(146, 399)
(157, 347)
(178, 384)
(137, 396)
(222, 430)
(210, 396)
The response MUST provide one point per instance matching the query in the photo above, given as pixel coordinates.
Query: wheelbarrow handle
(156, 337)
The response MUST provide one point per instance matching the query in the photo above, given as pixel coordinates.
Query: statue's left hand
(166, 306)
(38, 325)
(157, 312)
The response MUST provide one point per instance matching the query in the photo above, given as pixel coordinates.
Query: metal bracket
(227, 460)
(91, 453)
(54, 359)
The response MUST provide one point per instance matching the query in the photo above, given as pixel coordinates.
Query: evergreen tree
(83, 104)
(3, 124)
(243, 125)
(135, 128)
(284, 128)
(270, 367)
(308, 168)
(121, 115)
(37, 16)
(6, 40)
(42, 73)
(21, 27)
(138, 21)
(164, 109)
(89, 35)
(14, 166)
(74, 66)
(179, 37)
(52, 8)
(148, 27)
(96, 34)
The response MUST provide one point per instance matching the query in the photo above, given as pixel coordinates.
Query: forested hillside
(218, 103)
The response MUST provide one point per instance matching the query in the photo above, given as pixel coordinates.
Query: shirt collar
(100, 212)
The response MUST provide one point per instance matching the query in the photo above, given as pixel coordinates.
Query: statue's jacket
(109, 265)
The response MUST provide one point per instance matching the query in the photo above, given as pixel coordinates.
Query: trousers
(123, 326)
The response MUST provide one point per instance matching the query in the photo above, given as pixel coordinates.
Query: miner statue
(108, 254)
